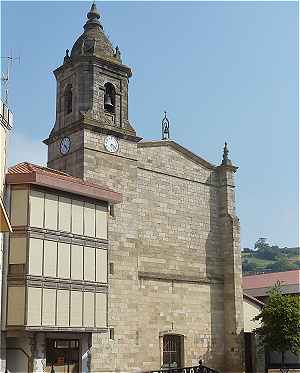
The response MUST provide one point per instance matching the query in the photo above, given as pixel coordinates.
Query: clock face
(111, 144)
(65, 145)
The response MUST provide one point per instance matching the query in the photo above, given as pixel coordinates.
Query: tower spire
(93, 18)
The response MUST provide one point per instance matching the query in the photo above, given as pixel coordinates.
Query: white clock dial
(65, 145)
(111, 144)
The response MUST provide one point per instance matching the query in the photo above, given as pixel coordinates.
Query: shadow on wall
(18, 355)
(214, 357)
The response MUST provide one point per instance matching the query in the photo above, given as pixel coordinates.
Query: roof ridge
(32, 167)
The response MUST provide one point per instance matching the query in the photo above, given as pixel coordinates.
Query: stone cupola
(93, 41)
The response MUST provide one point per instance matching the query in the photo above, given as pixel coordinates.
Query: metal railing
(195, 369)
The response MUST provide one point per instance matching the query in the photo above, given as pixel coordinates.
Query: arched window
(68, 99)
(109, 98)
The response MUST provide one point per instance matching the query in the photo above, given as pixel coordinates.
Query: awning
(4, 221)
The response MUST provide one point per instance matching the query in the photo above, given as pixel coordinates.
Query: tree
(261, 243)
(280, 318)
(249, 266)
(281, 265)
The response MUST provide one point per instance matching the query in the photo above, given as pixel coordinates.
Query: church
(125, 253)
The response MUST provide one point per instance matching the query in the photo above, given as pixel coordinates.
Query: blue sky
(222, 70)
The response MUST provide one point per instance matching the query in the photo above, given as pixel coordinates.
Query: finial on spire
(67, 58)
(226, 161)
(93, 17)
(165, 128)
(117, 53)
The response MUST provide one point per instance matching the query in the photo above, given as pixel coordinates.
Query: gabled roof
(253, 299)
(28, 173)
(187, 153)
(269, 279)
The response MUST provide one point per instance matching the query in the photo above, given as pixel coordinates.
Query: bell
(107, 103)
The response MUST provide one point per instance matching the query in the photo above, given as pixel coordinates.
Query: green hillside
(265, 258)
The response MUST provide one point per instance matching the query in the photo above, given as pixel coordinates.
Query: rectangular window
(172, 351)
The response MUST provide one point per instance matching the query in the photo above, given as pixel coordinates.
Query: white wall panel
(77, 217)
(49, 305)
(77, 262)
(64, 214)
(101, 221)
(89, 263)
(51, 211)
(17, 250)
(37, 209)
(19, 207)
(35, 256)
(63, 307)
(50, 258)
(76, 308)
(15, 305)
(89, 309)
(34, 303)
(101, 313)
(101, 265)
(63, 260)
(89, 219)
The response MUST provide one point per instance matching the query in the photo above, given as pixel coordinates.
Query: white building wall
(6, 119)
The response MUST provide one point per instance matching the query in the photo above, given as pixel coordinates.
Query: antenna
(5, 77)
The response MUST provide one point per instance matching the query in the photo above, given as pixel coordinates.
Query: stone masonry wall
(118, 171)
(179, 239)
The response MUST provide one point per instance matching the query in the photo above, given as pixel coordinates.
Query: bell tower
(92, 138)
(92, 92)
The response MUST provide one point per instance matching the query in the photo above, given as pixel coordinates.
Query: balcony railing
(195, 369)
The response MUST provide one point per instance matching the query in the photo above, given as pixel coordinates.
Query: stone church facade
(174, 263)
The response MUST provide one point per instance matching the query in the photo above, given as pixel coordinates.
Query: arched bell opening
(68, 99)
(109, 98)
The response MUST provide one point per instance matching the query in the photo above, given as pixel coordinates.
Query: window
(172, 351)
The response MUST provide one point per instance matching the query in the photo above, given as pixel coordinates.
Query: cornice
(87, 122)
(179, 278)
(172, 144)
(61, 236)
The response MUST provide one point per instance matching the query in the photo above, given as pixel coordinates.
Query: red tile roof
(269, 279)
(28, 173)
